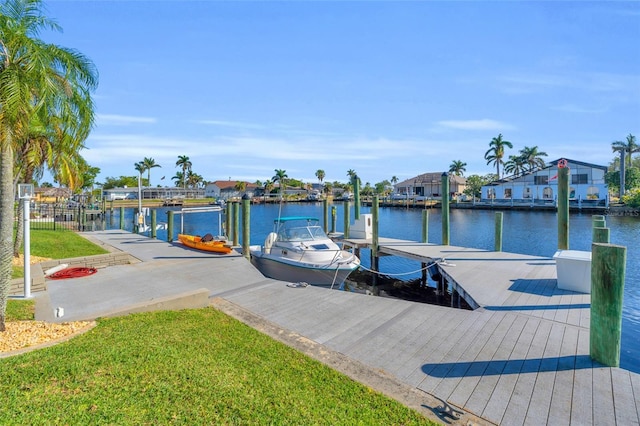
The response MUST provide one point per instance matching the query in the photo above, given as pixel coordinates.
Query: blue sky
(382, 88)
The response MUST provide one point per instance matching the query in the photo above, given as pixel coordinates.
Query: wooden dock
(521, 358)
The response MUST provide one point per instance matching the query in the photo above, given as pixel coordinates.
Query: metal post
(608, 263)
(498, 232)
(445, 208)
(246, 220)
(622, 174)
(27, 247)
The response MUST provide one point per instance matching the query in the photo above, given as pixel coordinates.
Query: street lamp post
(25, 192)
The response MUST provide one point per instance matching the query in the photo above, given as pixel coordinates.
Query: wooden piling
(601, 235)
(325, 211)
(121, 217)
(170, 226)
(608, 264)
(445, 208)
(356, 196)
(236, 223)
(246, 220)
(563, 208)
(375, 238)
(347, 218)
(425, 226)
(228, 219)
(498, 232)
(136, 221)
(154, 224)
(333, 219)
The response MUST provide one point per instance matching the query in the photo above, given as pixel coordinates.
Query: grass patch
(60, 244)
(20, 310)
(184, 367)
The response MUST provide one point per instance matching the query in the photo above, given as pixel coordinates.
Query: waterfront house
(151, 193)
(428, 185)
(586, 185)
(51, 195)
(226, 189)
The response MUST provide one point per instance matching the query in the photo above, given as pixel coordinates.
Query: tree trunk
(6, 224)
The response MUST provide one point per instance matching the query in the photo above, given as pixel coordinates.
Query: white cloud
(235, 124)
(122, 120)
(483, 124)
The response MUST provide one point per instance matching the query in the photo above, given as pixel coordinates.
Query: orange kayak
(195, 241)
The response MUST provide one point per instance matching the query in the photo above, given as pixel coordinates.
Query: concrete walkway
(461, 367)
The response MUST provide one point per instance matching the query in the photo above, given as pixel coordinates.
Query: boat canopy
(290, 218)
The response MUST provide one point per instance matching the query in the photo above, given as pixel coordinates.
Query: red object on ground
(72, 273)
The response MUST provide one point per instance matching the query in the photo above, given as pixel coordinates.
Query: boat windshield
(301, 233)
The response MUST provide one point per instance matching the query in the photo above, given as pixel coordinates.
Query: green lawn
(20, 310)
(184, 367)
(59, 244)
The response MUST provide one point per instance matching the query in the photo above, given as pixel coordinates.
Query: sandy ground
(32, 334)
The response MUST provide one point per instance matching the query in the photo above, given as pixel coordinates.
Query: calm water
(533, 233)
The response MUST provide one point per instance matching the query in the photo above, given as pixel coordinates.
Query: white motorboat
(300, 251)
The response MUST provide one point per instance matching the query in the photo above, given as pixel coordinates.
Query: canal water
(525, 232)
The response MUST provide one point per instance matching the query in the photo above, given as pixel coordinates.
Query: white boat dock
(521, 358)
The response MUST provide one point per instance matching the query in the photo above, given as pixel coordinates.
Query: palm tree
(178, 178)
(240, 186)
(268, 187)
(351, 173)
(37, 79)
(281, 178)
(140, 168)
(193, 179)
(149, 163)
(515, 165)
(457, 167)
(320, 175)
(629, 148)
(185, 164)
(495, 154)
(532, 157)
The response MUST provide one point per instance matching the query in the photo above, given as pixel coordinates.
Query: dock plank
(623, 398)
(582, 401)
(500, 398)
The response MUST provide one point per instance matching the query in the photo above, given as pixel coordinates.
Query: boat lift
(189, 210)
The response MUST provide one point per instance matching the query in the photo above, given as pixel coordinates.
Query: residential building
(226, 189)
(586, 185)
(429, 185)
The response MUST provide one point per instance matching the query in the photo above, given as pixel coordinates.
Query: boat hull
(273, 267)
